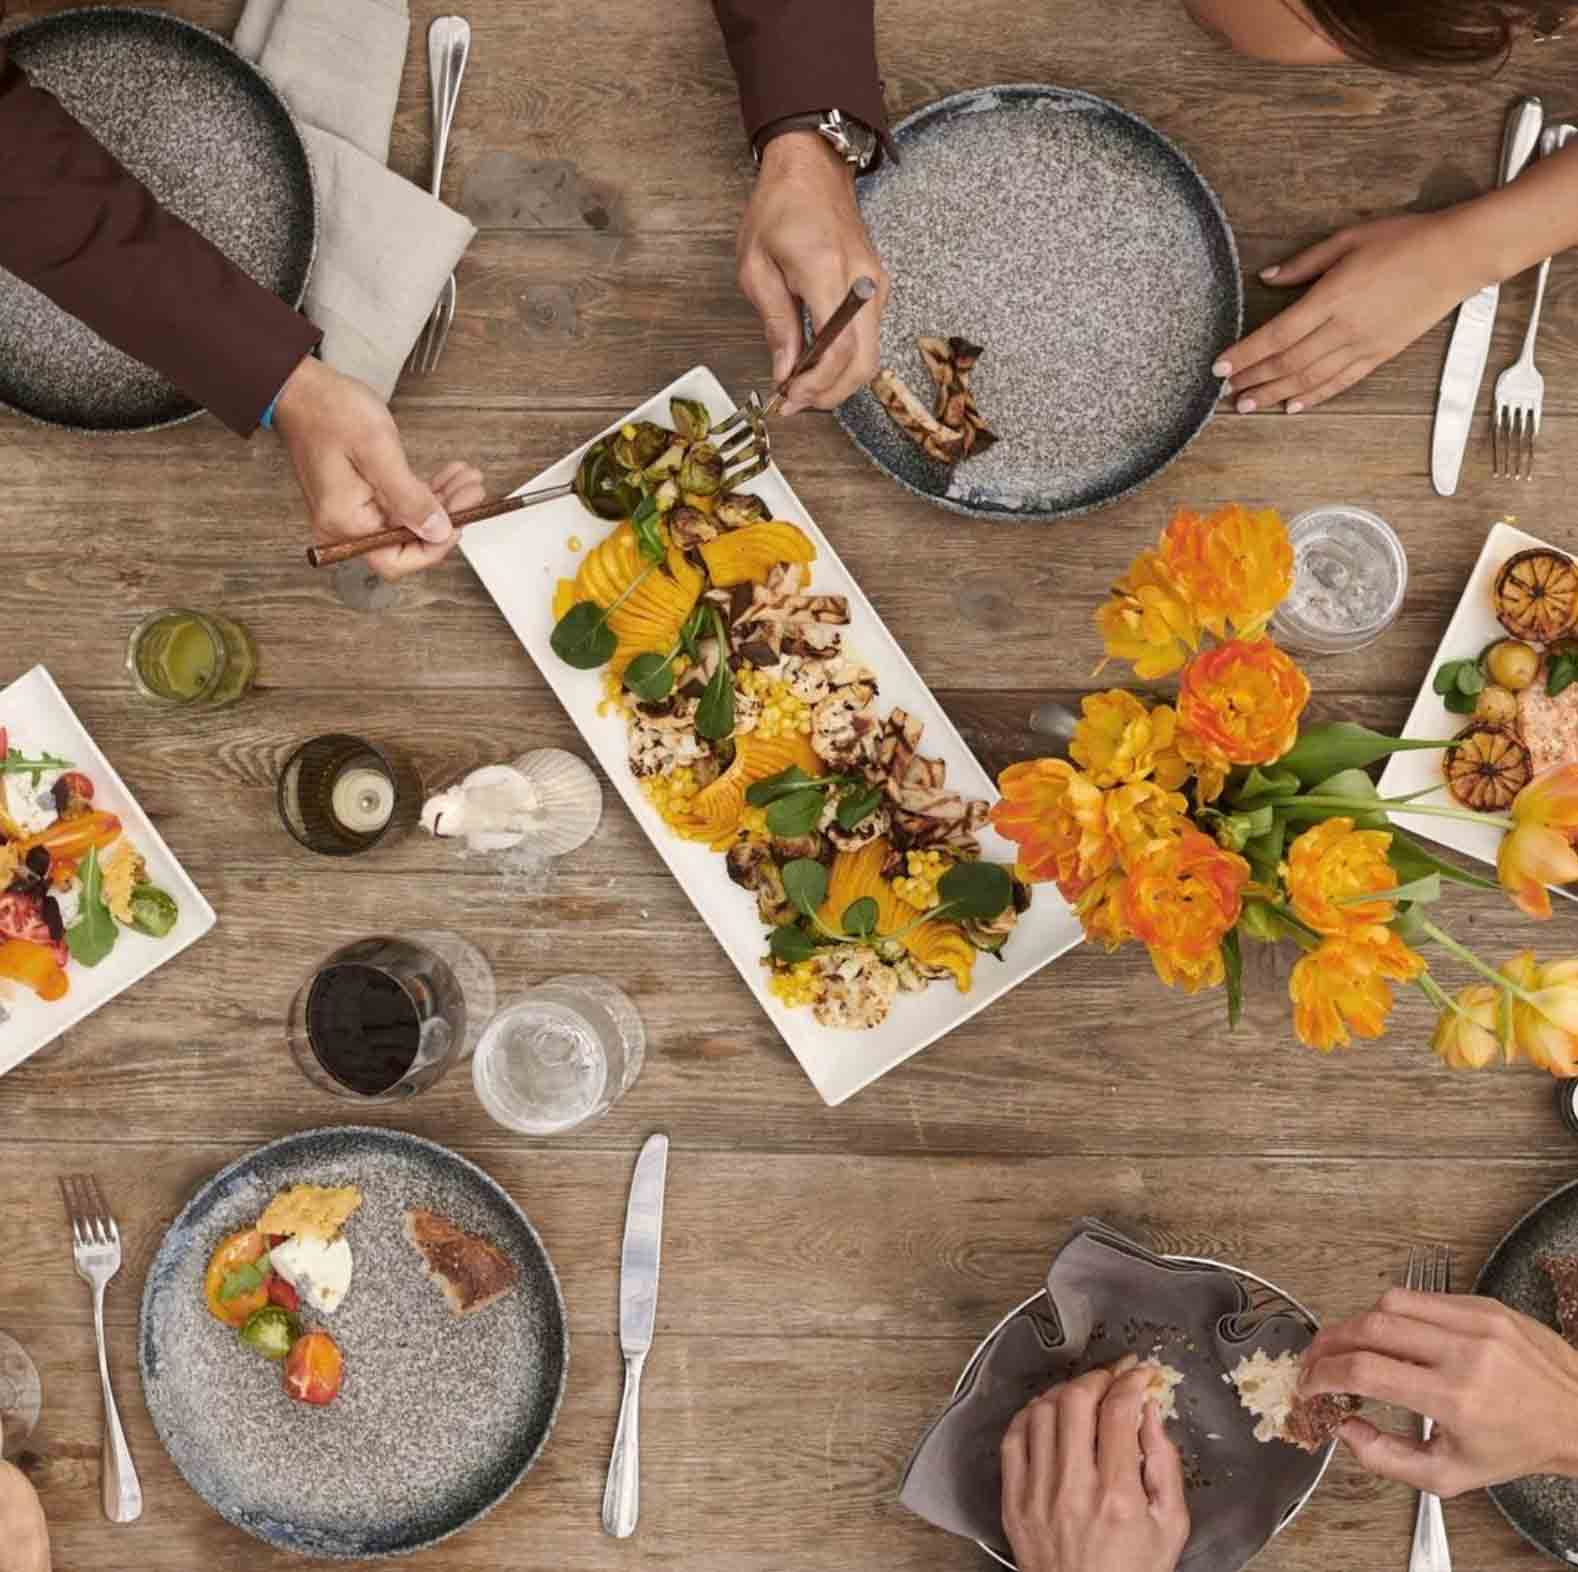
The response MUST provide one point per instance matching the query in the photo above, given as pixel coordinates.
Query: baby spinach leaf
(644, 521)
(858, 804)
(860, 918)
(786, 783)
(791, 944)
(715, 712)
(92, 936)
(805, 884)
(796, 814)
(582, 637)
(650, 677)
(976, 889)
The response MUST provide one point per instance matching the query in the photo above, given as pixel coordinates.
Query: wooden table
(826, 1272)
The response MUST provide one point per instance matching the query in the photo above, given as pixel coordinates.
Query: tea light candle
(363, 800)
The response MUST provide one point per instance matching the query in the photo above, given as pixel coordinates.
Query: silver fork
(1520, 389)
(448, 50)
(1429, 1272)
(96, 1251)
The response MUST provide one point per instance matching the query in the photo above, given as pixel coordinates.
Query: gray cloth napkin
(385, 247)
(1107, 1296)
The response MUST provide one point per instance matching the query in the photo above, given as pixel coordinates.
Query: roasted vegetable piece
(690, 418)
(1497, 705)
(1536, 594)
(736, 509)
(34, 966)
(748, 555)
(71, 839)
(235, 1285)
(271, 1331)
(1512, 664)
(152, 910)
(1486, 767)
(282, 1293)
(701, 475)
(934, 439)
(603, 488)
(314, 1369)
(640, 444)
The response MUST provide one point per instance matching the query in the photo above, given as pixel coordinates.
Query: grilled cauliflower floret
(858, 989)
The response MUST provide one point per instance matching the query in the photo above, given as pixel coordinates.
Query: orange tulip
(1470, 1036)
(1148, 620)
(1056, 816)
(1181, 897)
(1340, 988)
(1551, 799)
(1119, 739)
(1100, 912)
(1240, 703)
(1531, 857)
(1332, 863)
(1545, 1012)
(1234, 566)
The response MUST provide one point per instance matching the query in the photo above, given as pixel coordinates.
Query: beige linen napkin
(385, 247)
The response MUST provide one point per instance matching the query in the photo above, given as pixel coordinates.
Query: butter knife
(1476, 318)
(638, 1282)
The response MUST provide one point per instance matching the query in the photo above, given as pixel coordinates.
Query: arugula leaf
(805, 884)
(1233, 968)
(976, 889)
(860, 918)
(92, 936)
(857, 804)
(796, 814)
(792, 944)
(245, 1279)
(715, 712)
(15, 762)
(644, 521)
(582, 637)
(651, 677)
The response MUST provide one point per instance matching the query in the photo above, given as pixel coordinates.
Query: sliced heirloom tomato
(234, 1286)
(282, 1294)
(314, 1369)
(35, 966)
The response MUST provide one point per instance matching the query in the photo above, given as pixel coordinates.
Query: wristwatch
(853, 140)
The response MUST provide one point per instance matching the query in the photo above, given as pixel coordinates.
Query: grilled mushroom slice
(1486, 767)
(934, 439)
(1536, 594)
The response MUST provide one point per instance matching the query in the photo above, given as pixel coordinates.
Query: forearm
(1515, 226)
(81, 229)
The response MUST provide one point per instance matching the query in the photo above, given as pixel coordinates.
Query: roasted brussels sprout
(603, 487)
(641, 444)
(666, 496)
(666, 463)
(688, 526)
(702, 472)
(736, 509)
(690, 418)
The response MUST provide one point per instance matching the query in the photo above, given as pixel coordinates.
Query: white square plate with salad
(53, 805)
(521, 558)
(1473, 628)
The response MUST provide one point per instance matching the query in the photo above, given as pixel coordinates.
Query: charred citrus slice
(1486, 767)
(1536, 594)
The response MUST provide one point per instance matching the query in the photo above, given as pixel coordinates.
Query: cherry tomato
(242, 1249)
(314, 1369)
(282, 1294)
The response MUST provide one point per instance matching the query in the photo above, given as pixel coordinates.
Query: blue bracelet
(266, 419)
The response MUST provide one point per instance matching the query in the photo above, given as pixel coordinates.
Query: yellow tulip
(1469, 1037)
(1551, 799)
(1531, 857)
(1545, 1018)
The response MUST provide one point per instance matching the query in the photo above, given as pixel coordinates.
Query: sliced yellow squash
(854, 876)
(945, 946)
(715, 810)
(750, 554)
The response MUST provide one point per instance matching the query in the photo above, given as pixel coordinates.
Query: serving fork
(1429, 1272)
(1520, 389)
(448, 50)
(96, 1252)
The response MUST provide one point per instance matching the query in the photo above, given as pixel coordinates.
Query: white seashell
(547, 798)
(570, 797)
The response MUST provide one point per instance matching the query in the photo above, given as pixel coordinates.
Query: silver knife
(1476, 317)
(638, 1280)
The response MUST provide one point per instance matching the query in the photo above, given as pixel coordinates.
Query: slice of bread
(1268, 1388)
(471, 1272)
(313, 1211)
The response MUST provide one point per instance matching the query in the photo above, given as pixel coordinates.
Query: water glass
(1349, 575)
(339, 795)
(561, 1055)
(196, 658)
(21, 1397)
(386, 1017)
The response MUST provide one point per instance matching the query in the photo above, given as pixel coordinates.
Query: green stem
(1364, 805)
(931, 916)
(1437, 995)
(1302, 929)
(1470, 959)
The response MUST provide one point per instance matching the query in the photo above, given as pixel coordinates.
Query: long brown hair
(1420, 35)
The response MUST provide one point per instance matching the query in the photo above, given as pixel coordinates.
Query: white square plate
(39, 720)
(1472, 627)
(520, 560)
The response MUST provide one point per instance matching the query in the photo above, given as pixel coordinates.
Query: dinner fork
(1429, 1272)
(1520, 389)
(96, 1252)
(448, 50)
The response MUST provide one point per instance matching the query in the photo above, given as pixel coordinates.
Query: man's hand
(802, 240)
(1502, 1389)
(354, 475)
(24, 1538)
(1091, 1482)
(1376, 288)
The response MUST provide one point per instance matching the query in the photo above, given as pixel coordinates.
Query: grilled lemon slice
(1486, 767)
(1536, 594)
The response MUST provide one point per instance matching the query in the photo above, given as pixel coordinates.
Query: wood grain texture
(826, 1272)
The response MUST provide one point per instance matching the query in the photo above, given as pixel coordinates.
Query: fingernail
(1246, 406)
(1227, 387)
(1221, 369)
(1294, 407)
(1272, 271)
(435, 527)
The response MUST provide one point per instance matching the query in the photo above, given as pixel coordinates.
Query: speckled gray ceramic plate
(1543, 1509)
(1082, 250)
(209, 136)
(440, 1415)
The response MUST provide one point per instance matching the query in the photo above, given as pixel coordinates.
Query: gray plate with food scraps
(1094, 266)
(1543, 1508)
(440, 1415)
(213, 141)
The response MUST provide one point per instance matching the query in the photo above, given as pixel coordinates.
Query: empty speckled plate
(1087, 257)
(440, 1415)
(205, 131)
(1543, 1508)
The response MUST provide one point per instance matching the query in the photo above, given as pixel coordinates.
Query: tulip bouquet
(1197, 824)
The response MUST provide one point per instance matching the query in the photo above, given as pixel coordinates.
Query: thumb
(1388, 1456)
(1310, 263)
(764, 286)
(406, 500)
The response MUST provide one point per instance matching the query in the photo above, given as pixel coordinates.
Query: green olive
(1512, 664)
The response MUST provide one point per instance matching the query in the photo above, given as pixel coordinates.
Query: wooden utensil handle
(861, 292)
(348, 550)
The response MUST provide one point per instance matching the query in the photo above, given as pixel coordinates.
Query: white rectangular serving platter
(35, 713)
(1472, 627)
(521, 558)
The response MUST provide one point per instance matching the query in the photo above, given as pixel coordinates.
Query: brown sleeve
(79, 227)
(795, 56)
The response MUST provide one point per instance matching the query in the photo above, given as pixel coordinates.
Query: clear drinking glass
(339, 795)
(21, 1397)
(197, 658)
(1349, 575)
(561, 1055)
(386, 1017)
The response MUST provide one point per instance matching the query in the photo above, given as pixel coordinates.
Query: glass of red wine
(386, 1017)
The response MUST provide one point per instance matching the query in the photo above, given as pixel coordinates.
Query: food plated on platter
(91, 898)
(352, 1342)
(788, 763)
(1503, 686)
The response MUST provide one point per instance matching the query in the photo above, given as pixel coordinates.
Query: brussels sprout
(602, 487)
(690, 418)
(702, 472)
(639, 445)
(666, 496)
(736, 509)
(666, 463)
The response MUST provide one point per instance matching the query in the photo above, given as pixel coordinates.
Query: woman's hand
(354, 475)
(1091, 1482)
(1377, 287)
(803, 240)
(1502, 1389)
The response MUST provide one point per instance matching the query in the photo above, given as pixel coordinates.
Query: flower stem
(1364, 805)
(1469, 958)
